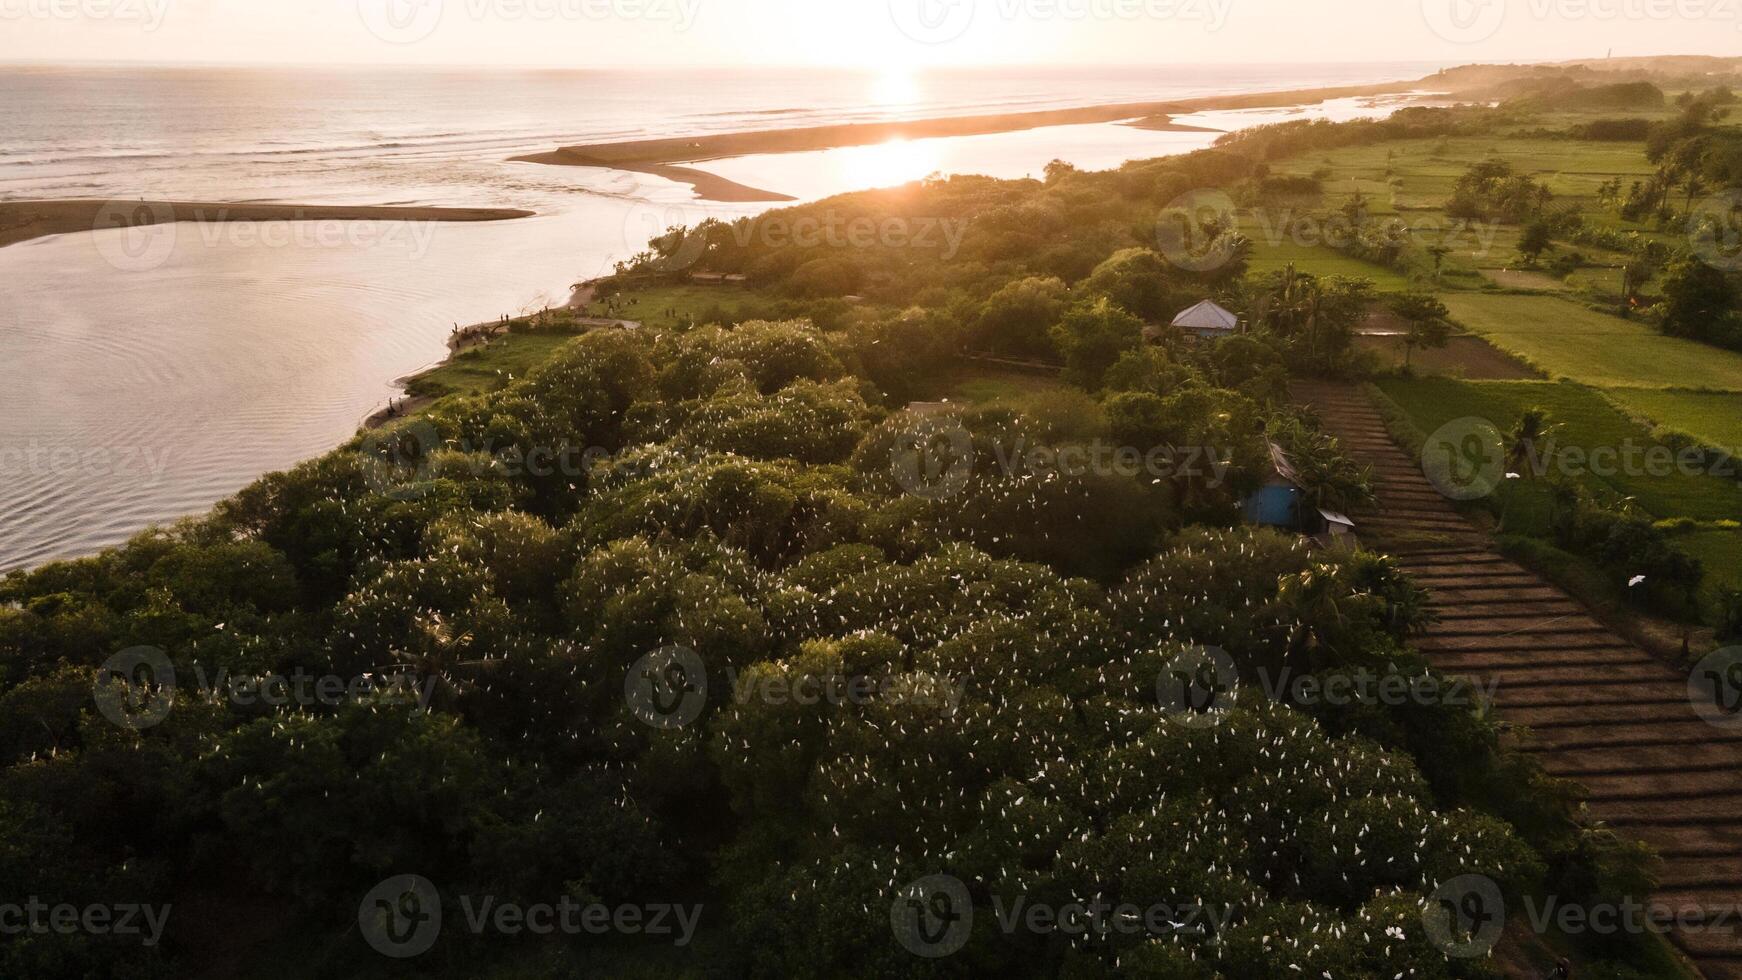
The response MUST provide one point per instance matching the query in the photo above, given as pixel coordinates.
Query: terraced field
(1586, 426)
(1713, 417)
(1571, 341)
(1591, 706)
(1269, 256)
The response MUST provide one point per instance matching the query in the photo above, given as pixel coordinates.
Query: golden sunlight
(888, 164)
(895, 89)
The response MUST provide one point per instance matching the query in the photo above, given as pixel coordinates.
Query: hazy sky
(858, 33)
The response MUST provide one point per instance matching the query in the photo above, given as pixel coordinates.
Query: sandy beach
(661, 157)
(22, 221)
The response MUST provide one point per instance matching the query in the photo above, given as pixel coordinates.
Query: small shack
(1283, 505)
(1338, 531)
(1277, 503)
(1207, 321)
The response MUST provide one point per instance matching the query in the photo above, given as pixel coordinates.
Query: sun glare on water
(888, 164)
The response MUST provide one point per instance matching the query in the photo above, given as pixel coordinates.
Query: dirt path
(1599, 710)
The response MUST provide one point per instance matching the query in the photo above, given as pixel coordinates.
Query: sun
(896, 89)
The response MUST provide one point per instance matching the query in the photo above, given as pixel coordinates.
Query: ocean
(145, 375)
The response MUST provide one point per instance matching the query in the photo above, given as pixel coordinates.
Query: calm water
(146, 374)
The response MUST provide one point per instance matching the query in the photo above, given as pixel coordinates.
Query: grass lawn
(1587, 422)
(984, 384)
(1714, 418)
(1318, 260)
(671, 306)
(1568, 340)
(1424, 171)
(1463, 356)
(1720, 551)
(483, 369)
(1413, 179)
(677, 306)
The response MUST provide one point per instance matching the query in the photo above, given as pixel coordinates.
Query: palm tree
(1313, 600)
(438, 659)
(1532, 427)
(1695, 186)
(1519, 452)
(1328, 477)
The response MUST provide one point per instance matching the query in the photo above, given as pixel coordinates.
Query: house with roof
(1207, 321)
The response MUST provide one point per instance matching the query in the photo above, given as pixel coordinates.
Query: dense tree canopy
(755, 496)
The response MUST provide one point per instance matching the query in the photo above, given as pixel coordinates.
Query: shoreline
(659, 157)
(23, 221)
(462, 339)
(663, 157)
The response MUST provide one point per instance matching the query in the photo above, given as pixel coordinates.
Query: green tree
(1092, 338)
(1538, 237)
(1427, 320)
(1140, 282)
(1016, 319)
(1697, 300)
